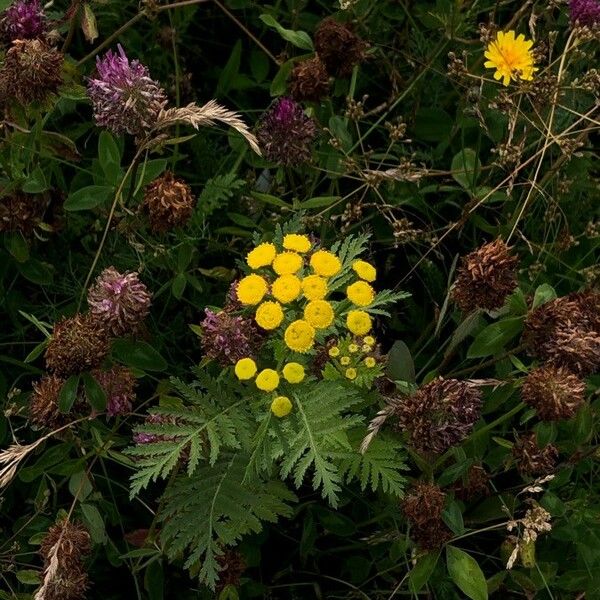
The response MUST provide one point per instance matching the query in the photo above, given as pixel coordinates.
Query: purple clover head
(119, 385)
(585, 12)
(285, 134)
(23, 20)
(124, 97)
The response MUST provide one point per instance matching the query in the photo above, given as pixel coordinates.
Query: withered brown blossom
(169, 202)
(475, 484)
(439, 415)
(231, 568)
(555, 392)
(486, 277)
(339, 47)
(309, 80)
(78, 343)
(31, 72)
(566, 332)
(43, 403)
(530, 458)
(21, 212)
(64, 550)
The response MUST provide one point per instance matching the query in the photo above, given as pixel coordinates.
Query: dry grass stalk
(50, 573)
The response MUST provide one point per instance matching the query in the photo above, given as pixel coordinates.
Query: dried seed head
(475, 485)
(169, 202)
(78, 344)
(21, 212)
(119, 385)
(486, 277)
(309, 80)
(119, 301)
(43, 404)
(285, 134)
(124, 97)
(339, 47)
(530, 458)
(22, 20)
(231, 568)
(566, 332)
(554, 392)
(31, 72)
(441, 414)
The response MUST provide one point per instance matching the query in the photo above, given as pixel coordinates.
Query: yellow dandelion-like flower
(299, 336)
(261, 256)
(296, 242)
(360, 293)
(245, 368)
(352, 348)
(319, 314)
(286, 288)
(269, 315)
(281, 406)
(370, 340)
(293, 372)
(345, 361)
(267, 380)
(370, 362)
(358, 322)
(364, 270)
(511, 57)
(351, 373)
(251, 289)
(325, 263)
(287, 263)
(333, 352)
(314, 287)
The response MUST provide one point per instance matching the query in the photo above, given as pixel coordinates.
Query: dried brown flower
(339, 47)
(231, 568)
(21, 212)
(530, 458)
(78, 343)
(475, 484)
(486, 277)
(31, 72)
(441, 414)
(309, 80)
(555, 392)
(43, 404)
(169, 202)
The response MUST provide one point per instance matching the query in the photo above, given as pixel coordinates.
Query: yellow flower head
(511, 57)
(358, 322)
(281, 406)
(333, 352)
(261, 256)
(370, 362)
(319, 314)
(297, 243)
(325, 263)
(251, 289)
(299, 336)
(287, 263)
(286, 288)
(345, 361)
(314, 287)
(351, 373)
(360, 293)
(293, 372)
(364, 270)
(366, 348)
(353, 348)
(245, 368)
(370, 340)
(267, 380)
(269, 315)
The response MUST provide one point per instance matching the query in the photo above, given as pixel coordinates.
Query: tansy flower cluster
(355, 359)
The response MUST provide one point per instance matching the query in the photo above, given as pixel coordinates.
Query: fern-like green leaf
(217, 191)
(214, 508)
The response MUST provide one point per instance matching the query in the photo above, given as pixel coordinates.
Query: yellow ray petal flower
(511, 56)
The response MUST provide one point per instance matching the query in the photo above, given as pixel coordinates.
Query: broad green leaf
(422, 571)
(68, 394)
(300, 39)
(320, 202)
(400, 365)
(93, 520)
(544, 293)
(138, 354)
(88, 197)
(465, 168)
(94, 393)
(17, 246)
(494, 337)
(466, 574)
(36, 182)
(29, 576)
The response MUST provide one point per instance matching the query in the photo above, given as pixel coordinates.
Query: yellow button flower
(325, 263)
(261, 256)
(287, 263)
(293, 372)
(345, 361)
(299, 336)
(351, 373)
(352, 348)
(319, 314)
(269, 315)
(333, 352)
(245, 368)
(364, 270)
(267, 380)
(298, 243)
(370, 362)
(358, 322)
(251, 289)
(314, 287)
(370, 340)
(286, 288)
(281, 406)
(360, 293)
(511, 56)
